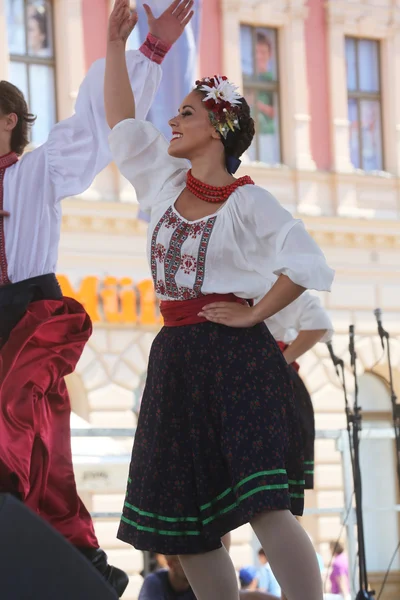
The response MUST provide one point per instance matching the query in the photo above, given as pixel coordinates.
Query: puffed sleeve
(77, 148)
(283, 245)
(306, 314)
(141, 154)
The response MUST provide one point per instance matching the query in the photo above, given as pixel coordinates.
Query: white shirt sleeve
(77, 148)
(304, 314)
(141, 154)
(285, 247)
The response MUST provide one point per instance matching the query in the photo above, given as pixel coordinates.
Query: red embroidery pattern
(197, 229)
(188, 264)
(172, 257)
(4, 280)
(201, 257)
(160, 253)
(153, 254)
(172, 219)
(186, 293)
(160, 287)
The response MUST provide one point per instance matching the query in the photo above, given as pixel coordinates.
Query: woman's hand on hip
(231, 314)
(170, 25)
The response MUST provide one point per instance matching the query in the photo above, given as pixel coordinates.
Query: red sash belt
(185, 312)
(283, 347)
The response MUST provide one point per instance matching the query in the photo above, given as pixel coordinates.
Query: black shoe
(115, 577)
(118, 579)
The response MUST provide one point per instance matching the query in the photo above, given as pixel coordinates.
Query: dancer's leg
(227, 541)
(60, 504)
(211, 575)
(290, 553)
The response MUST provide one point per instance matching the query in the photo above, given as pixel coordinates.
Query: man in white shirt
(42, 333)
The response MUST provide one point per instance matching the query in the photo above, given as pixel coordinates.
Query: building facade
(323, 80)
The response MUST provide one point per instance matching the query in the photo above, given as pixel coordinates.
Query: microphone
(351, 346)
(381, 331)
(335, 359)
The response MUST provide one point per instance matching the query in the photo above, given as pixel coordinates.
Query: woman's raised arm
(163, 33)
(118, 95)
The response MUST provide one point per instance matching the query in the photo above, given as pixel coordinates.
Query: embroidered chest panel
(178, 255)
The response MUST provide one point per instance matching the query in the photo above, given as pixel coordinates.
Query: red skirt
(35, 443)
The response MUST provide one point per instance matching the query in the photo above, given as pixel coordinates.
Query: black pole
(339, 362)
(356, 422)
(385, 337)
(353, 420)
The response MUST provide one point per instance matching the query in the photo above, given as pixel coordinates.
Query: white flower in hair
(222, 90)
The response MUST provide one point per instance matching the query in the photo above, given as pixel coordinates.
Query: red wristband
(154, 48)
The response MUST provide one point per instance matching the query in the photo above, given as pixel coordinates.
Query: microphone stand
(384, 335)
(355, 426)
(353, 420)
(339, 362)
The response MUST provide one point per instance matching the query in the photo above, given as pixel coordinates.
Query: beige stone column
(70, 54)
(294, 92)
(3, 42)
(230, 32)
(390, 79)
(338, 82)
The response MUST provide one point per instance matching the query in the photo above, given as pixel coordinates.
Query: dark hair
(337, 547)
(261, 552)
(238, 141)
(12, 101)
(261, 38)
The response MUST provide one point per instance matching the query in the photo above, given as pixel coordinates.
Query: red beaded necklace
(211, 193)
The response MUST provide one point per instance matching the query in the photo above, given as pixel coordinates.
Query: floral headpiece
(222, 101)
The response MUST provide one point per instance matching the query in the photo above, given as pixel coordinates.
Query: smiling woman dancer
(202, 463)
(42, 333)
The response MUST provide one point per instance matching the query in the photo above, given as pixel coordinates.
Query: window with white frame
(259, 55)
(32, 60)
(364, 103)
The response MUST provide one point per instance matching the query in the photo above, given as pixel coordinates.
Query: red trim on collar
(8, 159)
(5, 161)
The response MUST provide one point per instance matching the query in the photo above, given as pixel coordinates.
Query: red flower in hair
(223, 102)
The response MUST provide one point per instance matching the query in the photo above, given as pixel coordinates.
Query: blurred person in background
(170, 583)
(167, 584)
(38, 32)
(297, 329)
(339, 576)
(248, 578)
(267, 581)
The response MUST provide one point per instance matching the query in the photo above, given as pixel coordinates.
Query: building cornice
(266, 12)
(365, 17)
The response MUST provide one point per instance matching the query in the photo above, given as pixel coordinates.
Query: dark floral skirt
(218, 439)
(307, 425)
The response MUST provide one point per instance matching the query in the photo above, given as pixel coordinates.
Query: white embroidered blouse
(235, 250)
(304, 314)
(76, 151)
